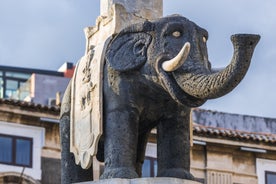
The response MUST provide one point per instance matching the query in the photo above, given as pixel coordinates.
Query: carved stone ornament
(86, 105)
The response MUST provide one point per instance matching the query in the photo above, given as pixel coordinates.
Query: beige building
(29, 142)
(233, 149)
(221, 156)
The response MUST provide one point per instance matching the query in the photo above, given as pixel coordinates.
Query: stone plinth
(143, 8)
(143, 181)
(118, 14)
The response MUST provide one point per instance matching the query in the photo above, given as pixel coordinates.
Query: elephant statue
(154, 73)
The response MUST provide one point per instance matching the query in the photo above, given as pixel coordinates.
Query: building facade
(29, 123)
(29, 139)
(233, 148)
(26, 84)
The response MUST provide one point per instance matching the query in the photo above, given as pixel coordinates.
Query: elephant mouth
(175, 91)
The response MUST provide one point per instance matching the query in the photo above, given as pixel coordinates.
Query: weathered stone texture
(50, 170)
(146, 9)
(144, 181)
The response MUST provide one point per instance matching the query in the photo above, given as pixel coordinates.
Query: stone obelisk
(115, 15)
(118, 14)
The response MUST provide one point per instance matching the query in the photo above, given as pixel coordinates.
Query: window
(1, 86)
(16, 150)
(270, 177)
(149, 168)
(18, 75)
(11, 88)
(10, 82)
(266, 171)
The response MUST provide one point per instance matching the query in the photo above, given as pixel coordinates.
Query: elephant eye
(176, 34)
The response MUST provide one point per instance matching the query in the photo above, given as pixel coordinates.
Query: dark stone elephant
(155, 72)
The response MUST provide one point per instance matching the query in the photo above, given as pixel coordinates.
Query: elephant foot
(176, 173)
(124, 172)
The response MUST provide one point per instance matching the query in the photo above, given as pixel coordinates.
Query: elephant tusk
(174, 63)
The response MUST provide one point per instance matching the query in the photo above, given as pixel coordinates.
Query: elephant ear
(128, 51)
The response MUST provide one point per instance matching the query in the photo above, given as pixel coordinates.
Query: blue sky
(44, 34)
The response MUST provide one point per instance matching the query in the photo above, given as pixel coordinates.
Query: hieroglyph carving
(86, 105)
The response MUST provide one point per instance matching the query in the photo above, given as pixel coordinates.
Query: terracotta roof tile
(30, 105)
(241, 135)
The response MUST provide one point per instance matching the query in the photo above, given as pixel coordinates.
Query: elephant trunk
(216, 84)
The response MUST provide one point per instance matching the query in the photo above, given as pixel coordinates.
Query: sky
(43, 34)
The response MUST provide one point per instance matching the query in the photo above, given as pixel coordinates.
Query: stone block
(143, 8)
(160, 180)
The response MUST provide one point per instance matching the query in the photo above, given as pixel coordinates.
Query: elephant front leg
(173, 146)
(121, 136)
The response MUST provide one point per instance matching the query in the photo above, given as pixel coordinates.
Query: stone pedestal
(143, 181)
(143, 8)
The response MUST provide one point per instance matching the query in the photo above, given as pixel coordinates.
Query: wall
(51, 171)
(234, 121)
(52, 143)
(44, 87)
(42, 125)
(225, 164)
(265, 165)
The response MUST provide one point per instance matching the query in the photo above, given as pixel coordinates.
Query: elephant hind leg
(141, 150)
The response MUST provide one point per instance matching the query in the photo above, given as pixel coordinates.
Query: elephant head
(173, 49)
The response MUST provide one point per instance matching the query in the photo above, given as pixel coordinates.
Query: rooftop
(30, 70)
(208, 127)
(29, 106)
(237, 135)
(237, 122)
